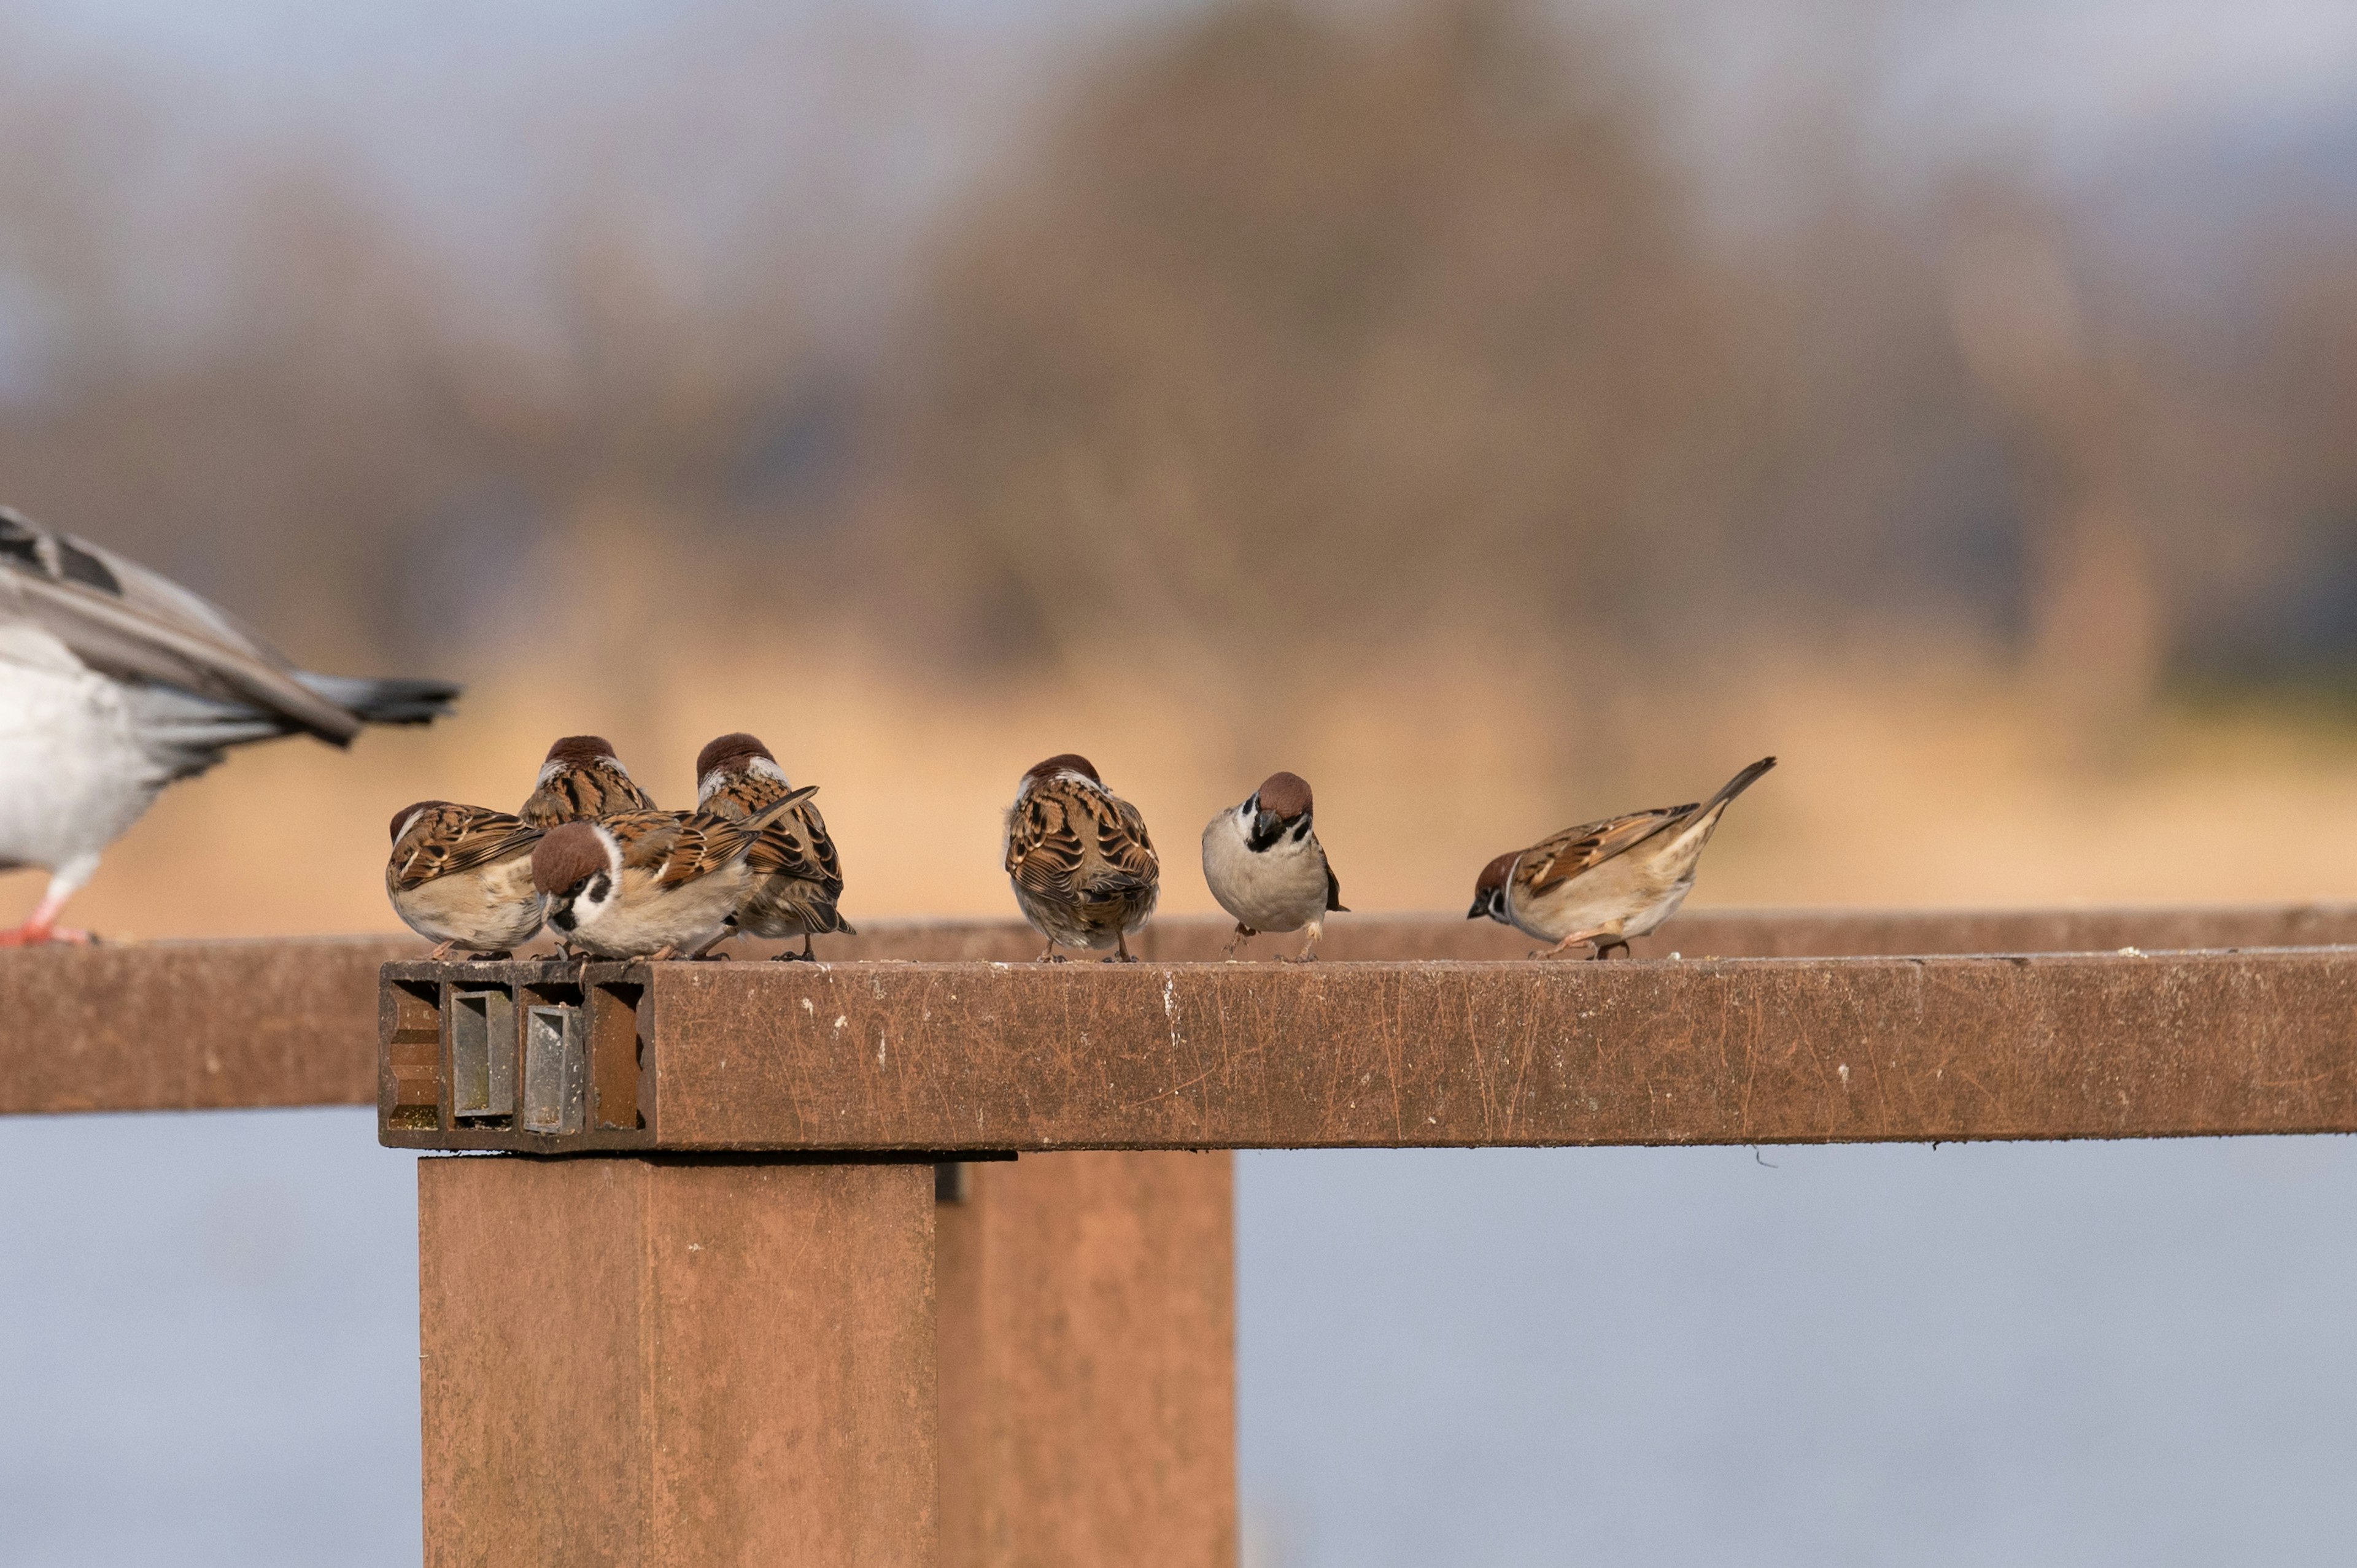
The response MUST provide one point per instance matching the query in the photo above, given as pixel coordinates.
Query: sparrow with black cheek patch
(1490, 889)
(649, 884)
(1085, 873)
(1266, 867)
(461, 877)
(1605, 881)
(796, 876)
(581, 782)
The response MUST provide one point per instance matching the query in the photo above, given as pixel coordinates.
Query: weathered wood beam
(818, 1059)
(230, 1025)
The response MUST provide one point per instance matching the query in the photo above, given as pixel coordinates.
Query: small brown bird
(461, 877)
(796, 876)
(1265, 867)
(1085, 873)
(1605, 881)
(649, 883)
(582, 780)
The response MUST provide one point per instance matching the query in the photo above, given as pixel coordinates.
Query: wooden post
(660, 1363)
(1088, 1363)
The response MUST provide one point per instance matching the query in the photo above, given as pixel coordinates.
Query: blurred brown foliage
(1366, 385)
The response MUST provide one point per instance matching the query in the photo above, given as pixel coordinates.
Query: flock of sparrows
(589, 855)
(115, 681)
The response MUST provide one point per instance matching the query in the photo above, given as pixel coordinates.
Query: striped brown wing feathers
(1045, 847)
(680, 846)
(1556, 860)
(796, 846)
(448, 840)
(650, 841)
(1124, 853)
(574, 793)
(799, 847)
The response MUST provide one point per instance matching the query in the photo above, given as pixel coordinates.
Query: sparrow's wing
(1045, 849)
(576, 792)
(1125, 858)
(120, 618)
(1558, 860)
(1334, 890)
(798, 847)
(649, 840)
(703, 844)
(454, 839)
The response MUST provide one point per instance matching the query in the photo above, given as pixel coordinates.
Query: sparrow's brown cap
(1494, 874)
(582, 749)
(1287, 794)
(739, 748)
(568, 856)
(1065, 762)
(403, 815)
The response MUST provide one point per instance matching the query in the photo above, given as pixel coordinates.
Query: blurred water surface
(2083, 1353)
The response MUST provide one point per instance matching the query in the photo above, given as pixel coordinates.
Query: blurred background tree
(1457, 399)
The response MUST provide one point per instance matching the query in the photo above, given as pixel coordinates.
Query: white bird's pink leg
(41, 926)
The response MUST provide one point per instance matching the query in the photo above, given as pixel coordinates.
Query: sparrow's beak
(1480, 907)
(1266, 826)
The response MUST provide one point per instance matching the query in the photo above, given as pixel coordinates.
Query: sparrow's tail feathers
(771, 813)
(1704, 818)
(1739, 783)
(393, 702)
(1111, 884)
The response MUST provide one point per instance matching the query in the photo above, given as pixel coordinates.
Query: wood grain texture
(645, 1362)
(1088, 1363)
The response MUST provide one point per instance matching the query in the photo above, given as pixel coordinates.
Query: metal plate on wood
(541, 1058)
(556, 1079)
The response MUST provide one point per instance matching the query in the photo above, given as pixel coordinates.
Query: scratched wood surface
(1371, 1055)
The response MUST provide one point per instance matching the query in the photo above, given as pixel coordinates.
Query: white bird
(1265, 867)
(115, 681)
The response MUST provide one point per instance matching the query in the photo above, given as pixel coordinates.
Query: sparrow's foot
(664, 953)
(1242, 931)
(789, 956)
(1304, 958)
(1051, 956)
(488, 957)
(713, 957)
(441, 951)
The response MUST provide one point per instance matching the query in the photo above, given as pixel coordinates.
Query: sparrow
(115, 681)
(796, 877)
(1607, 881)
(1266, 867)
(1084, 872)
(649, 884)
(582, 780)
(461, 877)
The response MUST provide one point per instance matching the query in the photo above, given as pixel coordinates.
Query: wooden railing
(791, 1301)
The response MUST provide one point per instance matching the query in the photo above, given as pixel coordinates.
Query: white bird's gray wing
(124, 620)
